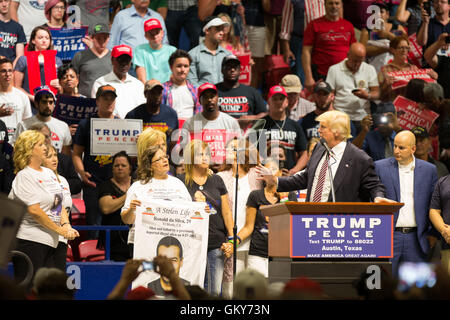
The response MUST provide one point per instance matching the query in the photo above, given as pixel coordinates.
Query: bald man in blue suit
(411, 181)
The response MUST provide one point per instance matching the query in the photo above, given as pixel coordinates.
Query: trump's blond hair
(338, 122)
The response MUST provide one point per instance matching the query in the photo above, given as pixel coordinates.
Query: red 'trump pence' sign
(409, 114)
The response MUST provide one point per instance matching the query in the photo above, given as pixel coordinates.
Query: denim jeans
(406, 248)
(214, 271)
(188, 19)
(296, 45)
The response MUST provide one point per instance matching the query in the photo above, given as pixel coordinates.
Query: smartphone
(379, 119)
(420, 274)
(282, 164)
(354, 90)
(427, 7)
(147, 266)
(447, 39)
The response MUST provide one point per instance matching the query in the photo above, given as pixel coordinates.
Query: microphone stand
(333, 195)
(330, 174)
(235, 214)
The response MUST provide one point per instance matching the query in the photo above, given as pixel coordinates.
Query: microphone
(324, 143)
(329, 153)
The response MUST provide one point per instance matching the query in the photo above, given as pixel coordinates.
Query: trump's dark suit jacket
(355, 179)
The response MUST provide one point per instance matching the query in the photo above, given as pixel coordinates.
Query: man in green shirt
(152, 59)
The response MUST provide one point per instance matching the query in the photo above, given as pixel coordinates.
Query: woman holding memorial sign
(38, 66)
(204, 186)
(389, 75)
(38, 188)
(153, 183)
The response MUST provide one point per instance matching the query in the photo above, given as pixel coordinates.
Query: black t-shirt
(443, 71)
(157, 288)
(309, 125)
(118, 239)
(291, 136)
(213, 189)
(166, 120)
(260, 236)
(11, 33)
(3, 135)
(98, 166)
(240, 101)
(440, 200)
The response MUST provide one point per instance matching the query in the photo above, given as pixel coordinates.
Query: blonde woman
(210, 188)
(153, 182)
(51, 162)
(46, 219)
(150, 137)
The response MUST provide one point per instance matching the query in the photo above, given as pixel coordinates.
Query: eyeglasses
(163, 157)
(59, 7)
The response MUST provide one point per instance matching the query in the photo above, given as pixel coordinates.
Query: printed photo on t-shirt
(57, 205)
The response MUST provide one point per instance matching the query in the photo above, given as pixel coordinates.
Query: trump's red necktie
(321, 181)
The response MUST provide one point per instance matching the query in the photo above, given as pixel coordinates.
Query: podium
(331, 243)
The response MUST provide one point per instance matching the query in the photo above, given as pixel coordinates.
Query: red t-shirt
(330, 41)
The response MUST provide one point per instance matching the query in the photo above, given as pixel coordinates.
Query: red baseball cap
(205, 86)
(151, 24)
(276, 89)
(117, 51)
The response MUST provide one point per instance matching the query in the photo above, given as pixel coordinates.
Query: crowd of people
(348, 75)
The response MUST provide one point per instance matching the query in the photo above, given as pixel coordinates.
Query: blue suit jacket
(425, 178)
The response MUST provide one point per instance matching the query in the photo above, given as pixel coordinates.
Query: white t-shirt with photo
(38, 187)
(18, 101)
(168, 189)
(60, 131)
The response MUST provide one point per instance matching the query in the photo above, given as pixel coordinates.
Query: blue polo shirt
(128, 28)
(374, 144)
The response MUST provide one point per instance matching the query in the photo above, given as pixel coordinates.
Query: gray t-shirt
(90, 68)
(93, 11)
(222, 122)
(60, 133)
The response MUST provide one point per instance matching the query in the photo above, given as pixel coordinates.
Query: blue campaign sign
(342, 236)
(73, 109)
(67, 42)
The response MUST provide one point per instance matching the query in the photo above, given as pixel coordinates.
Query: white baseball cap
(215, 23)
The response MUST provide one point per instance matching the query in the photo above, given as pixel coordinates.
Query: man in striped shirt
(295, 17)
